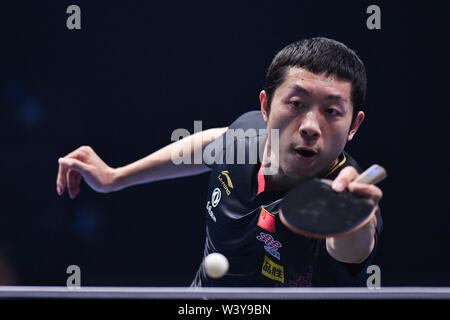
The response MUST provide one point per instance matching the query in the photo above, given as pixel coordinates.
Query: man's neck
(280, 181)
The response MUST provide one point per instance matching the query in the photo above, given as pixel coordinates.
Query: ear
(356, 123)
(263, 104)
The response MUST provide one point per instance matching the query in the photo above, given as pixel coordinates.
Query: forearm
(159, 165)
(353, 248)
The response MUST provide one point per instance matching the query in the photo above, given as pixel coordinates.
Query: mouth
(306, 153)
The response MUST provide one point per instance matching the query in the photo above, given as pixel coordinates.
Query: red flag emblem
(266, 220)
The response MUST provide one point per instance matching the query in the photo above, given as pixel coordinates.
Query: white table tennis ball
(216, 265)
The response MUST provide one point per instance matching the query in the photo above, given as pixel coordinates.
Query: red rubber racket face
(313, 209)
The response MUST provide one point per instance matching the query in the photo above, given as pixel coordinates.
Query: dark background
(137, 70)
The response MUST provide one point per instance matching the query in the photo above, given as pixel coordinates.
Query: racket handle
(372, 175)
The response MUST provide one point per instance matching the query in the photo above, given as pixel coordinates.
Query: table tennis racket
(313, 209)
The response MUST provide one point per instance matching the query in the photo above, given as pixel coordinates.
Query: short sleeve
(214, 152)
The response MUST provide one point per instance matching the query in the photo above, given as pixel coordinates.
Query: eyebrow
(336, 98)
(302, 90)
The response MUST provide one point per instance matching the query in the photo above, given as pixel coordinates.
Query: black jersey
(243, 222)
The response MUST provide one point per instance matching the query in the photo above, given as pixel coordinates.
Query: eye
(332, 112)
(296, 104)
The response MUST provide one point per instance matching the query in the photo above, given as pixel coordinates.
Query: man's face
(313, 113)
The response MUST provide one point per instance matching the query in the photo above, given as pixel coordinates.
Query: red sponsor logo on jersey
(271, 245)
(266, 220)
(269, 240)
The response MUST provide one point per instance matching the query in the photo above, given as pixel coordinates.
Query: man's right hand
(83, 163)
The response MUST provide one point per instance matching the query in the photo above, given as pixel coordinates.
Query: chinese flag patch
(266, 220)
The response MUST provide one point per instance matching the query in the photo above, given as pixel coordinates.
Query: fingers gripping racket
(314, 209)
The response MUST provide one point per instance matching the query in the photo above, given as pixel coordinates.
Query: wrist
(116, 179)
(352, 248)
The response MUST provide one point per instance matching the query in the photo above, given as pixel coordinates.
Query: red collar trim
(261, 181)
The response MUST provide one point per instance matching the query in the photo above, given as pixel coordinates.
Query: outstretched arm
(84, 163)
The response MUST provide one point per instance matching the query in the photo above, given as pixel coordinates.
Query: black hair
(319, 55)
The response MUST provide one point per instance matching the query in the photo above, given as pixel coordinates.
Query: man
(315, 89)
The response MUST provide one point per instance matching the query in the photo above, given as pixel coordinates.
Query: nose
(309, 127)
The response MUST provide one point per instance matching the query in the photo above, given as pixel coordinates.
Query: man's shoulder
(241, 143)
(249, 120)
(351, 162)
(241, 133)
(345, 160)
